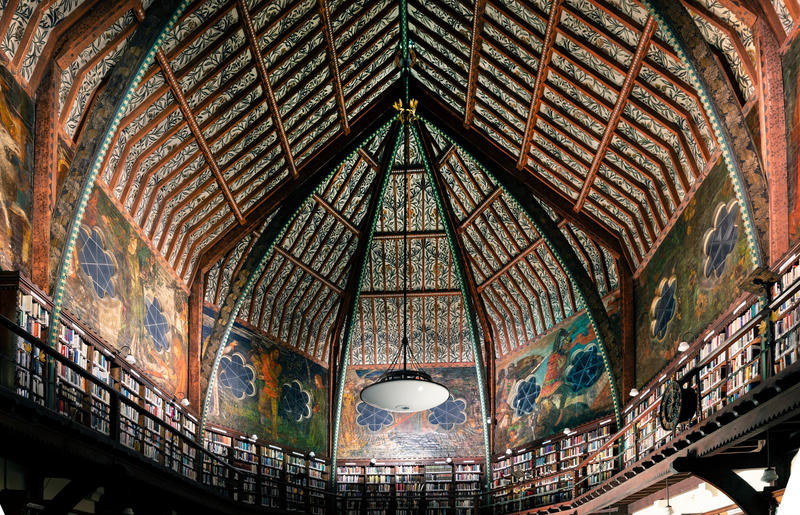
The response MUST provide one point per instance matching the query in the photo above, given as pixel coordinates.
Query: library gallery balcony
(81, 421)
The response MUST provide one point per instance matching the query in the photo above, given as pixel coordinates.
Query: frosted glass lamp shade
(405, 391)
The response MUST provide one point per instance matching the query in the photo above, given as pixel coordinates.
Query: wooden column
(45, 174)
(627, 323)
(474, 305)
(772, 122)
(239, 284)
(349, 302)
(195, 342)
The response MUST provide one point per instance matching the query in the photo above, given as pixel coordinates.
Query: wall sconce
(125, 350)
(684, 344)
(183, 402)
(634, 392)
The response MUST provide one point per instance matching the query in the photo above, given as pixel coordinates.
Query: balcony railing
(41, 376)
(640, 439)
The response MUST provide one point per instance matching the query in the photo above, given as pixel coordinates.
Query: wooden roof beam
(336, 214)
(541, 76)
(622, 99)
(263, 74)
(473, 303)
(333, 59)
(519, 257)
(474, 59)
(325, 159)
(395, 294)
(307, 269)
(198, 134)
(535, 184)
(479, 209)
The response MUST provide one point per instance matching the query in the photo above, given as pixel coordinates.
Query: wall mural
(694, 275)
(118, 287)
(452, 429)
(791, 92)
(554, 382)
(16, 175)
(269, 390)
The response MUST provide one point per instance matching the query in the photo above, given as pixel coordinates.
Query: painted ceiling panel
(195, 41)
(632, 181)
(295, 299)
(81, 77)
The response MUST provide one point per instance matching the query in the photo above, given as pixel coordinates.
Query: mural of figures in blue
(554, 382)
(449, 414)
(295, 404)
(237, 376)
(269, 390)
(156, 324)
(524, 401)
(720, 240)
(451, 429)
(663, 307)
(693, 276)
(96, 262)
(372, 418)
(585, 367)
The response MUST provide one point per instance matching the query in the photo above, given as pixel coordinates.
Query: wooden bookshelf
(468, 483)
(548, 471)
(351, 487)
(296, 482)
(432, 487)
(86, 401)
(785, 315)
(318, 477)
(409, 487)
(88, 377)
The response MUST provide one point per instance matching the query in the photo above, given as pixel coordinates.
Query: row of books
(92, 357)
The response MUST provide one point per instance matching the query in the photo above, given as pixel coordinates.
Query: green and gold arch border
(263, 262)
(725, 145)
(543, 234)
(351, 321)
(473, 330)
(97, 162)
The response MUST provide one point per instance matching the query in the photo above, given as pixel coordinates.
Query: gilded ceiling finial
(407, 113)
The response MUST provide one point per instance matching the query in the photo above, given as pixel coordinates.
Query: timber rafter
(263, 75)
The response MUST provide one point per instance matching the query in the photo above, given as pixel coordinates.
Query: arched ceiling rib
(194, 152)
(295, 298)
(524, 288)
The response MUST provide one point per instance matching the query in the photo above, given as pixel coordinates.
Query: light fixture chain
(406, 208)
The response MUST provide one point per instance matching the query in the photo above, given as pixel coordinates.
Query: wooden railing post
(768, 339)
(114, 419)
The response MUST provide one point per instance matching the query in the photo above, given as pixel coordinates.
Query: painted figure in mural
(319, 387)
(15, 226)
(553, 395)
(268, 400)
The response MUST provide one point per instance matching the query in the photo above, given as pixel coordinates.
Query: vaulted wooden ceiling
(297, 296)
(588, 96)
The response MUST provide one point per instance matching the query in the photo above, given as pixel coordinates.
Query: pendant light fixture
(406, 389)
(668, 508)
(770, 475)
